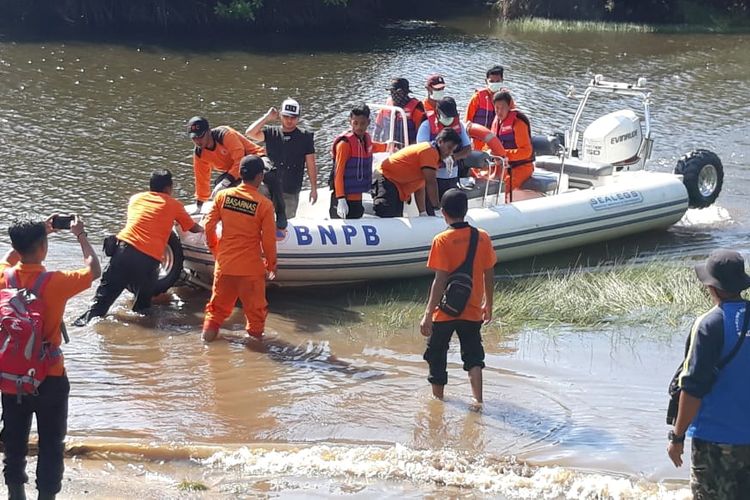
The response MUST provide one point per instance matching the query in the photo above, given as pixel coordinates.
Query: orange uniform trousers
(251, 290)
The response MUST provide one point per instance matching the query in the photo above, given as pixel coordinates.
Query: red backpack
(25, 357)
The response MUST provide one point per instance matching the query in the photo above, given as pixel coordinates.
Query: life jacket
(358, 169)
(506, 133)
(25, 357)
(483, 134)
(384, 120)
(485, 112)
(436, 126)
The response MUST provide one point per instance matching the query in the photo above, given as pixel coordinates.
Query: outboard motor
(614, 138)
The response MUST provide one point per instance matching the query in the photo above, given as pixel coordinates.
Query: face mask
(445, 120)
(437, 95)
(495, 86)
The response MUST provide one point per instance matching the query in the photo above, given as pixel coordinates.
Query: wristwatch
(674, 438)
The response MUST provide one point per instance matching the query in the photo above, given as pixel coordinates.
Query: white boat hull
(317, 250)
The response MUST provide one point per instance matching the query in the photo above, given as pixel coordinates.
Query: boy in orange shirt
(23, 267)
(449, 250)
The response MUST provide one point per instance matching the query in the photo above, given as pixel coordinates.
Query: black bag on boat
(109, 247)
(460, 282)
(674, 384)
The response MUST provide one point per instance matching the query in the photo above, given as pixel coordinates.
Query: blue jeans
(51, 409)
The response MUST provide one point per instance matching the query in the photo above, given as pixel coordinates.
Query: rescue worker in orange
(514, 131)
(435, 87)
(140, 247)
(448, 252)
(412, 170)
(50, 405)
(481, 109)
(413, 108)
(219, 148)
(352, 166)
(245, 254)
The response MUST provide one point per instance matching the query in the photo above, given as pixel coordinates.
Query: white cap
(289, 107)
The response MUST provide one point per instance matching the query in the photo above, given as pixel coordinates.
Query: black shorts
(385, 197)
(436, 354)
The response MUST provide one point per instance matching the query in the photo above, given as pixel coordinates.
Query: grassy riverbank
(655, 293)
(543, 25)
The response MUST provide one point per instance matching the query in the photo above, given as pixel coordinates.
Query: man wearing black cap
(220, 148)
(714, 407)
(413, 108)
(446, 115)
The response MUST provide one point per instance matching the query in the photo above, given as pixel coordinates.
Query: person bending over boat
(245, 253)
(412, 171)
(446, 116)
(220, 148)
(140, 247)
(481, 109)
(449, 253)
(514, 131)
(352, 166)
(435, 87)
(412, 107)
(290, 150)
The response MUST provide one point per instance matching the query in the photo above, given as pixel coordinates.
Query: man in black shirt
(290, 149)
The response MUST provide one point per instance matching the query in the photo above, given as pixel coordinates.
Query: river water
(327, 405)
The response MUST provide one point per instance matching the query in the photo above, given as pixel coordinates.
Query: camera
(62, 221)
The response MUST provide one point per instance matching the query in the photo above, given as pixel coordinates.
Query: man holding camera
(140, 247)
(23, 267)
(714, 400)
(448, 254)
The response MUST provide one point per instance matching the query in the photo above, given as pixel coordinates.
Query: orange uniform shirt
(247, 227)
(230, 148)
(448, 251)
(524, 148)
(151, 216)
(404, 167)
(428, 108)
(343, 153)
(61, 286)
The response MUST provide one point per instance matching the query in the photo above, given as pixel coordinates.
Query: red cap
(436, 82)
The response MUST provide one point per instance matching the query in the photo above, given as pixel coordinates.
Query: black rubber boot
(16, 492)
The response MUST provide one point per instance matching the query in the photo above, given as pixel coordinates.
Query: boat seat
(541, 181)
(574, 167)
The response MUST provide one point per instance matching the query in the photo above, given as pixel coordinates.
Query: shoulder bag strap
(41, 283)
(743, 333)
(467, 265)
(11, 277)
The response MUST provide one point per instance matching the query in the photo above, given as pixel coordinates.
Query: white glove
(423, 214)
(449, 165)
(438, 212)
(225, 183)
(342, 209)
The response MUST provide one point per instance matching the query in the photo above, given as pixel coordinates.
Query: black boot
(46, 496)
(16, 492)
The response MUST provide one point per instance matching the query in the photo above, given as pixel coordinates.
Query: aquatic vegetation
(187, 485)
(539, 24)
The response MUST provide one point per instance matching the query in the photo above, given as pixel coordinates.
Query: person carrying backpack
(461, 295)
(32, 302)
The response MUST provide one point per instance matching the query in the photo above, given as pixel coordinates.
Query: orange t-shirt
(404, 167)
(247, 227)
(62, 285)
(343, 153)
(230, 148)
(448, 251)
(151, 216)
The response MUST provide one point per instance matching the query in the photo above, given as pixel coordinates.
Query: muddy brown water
(83, 124)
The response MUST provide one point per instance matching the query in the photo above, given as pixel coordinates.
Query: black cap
(724, 269)
(250, 167)
(197, 126)
(455, 203)
(447, 106)
(399, 83)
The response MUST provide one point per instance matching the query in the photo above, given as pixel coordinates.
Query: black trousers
(385, 198)
(128, 267)
(356, 209)
(436, 354)
(51, 409)
(273, 182)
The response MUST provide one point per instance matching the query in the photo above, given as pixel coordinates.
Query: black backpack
(460, 282)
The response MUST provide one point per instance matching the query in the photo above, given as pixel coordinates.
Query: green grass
(657, 293)
(186, 485)
(543, 25)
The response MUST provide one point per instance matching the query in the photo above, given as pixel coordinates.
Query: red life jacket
(506, 132)
(358, 168)
(25, 357)
(485, 113)
(436, 126)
